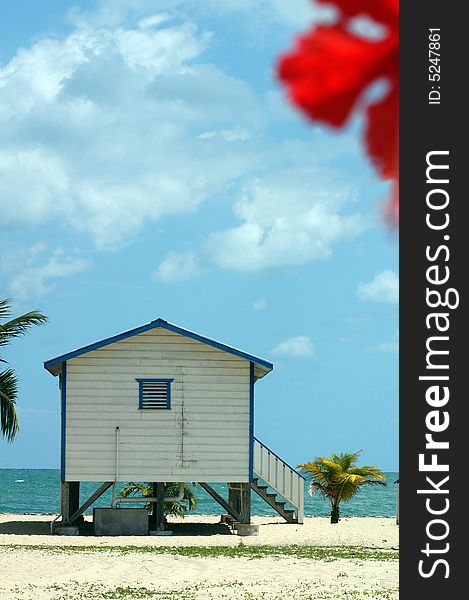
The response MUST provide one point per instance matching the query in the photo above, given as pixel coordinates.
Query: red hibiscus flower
(330, 68)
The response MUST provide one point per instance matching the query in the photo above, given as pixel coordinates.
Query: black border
(427, 127)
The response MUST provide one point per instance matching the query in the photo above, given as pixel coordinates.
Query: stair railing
(280, 476)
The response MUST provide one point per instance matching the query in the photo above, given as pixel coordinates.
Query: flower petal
(329, 70)
(382, 134)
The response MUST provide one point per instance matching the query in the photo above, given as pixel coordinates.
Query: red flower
(330, 68)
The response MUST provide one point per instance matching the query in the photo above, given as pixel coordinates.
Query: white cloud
(229, 135)
(155, 20)
(118, 125)
(33, 279)
(255, 14)
(289, 218)
(260, 15)
(383, 288)
(177, 267)
(98, 129)
(33, 187)
(259, 304)
(295, 347)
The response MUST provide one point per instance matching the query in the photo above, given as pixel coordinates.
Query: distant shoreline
(37, 491)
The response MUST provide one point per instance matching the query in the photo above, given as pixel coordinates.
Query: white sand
(33, 573)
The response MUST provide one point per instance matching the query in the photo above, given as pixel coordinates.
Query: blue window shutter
(154, 393)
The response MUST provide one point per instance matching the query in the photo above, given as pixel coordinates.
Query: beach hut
(160, 403)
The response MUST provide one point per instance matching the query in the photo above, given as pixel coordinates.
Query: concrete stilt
(245, 529)
(69, 503)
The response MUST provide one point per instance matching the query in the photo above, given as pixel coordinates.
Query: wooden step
(280, 503)
(271, 499)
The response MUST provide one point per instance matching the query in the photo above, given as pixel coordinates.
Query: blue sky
(151, 167)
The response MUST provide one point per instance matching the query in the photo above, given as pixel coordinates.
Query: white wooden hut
(163, 404)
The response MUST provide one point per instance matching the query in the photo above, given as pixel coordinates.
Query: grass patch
(320, 553)
(221, 590)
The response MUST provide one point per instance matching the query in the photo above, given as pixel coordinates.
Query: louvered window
(154, 393)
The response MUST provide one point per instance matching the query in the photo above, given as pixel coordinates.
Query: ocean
(37, 491)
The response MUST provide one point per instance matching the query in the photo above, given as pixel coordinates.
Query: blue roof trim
(153, 325)
(251, 421)
(63, 420)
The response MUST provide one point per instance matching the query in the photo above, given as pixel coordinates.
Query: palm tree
(177, 508)
(10, 329)
(338, 478)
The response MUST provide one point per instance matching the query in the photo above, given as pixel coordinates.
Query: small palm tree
(338, 478)
(9, 330)
(176, 508)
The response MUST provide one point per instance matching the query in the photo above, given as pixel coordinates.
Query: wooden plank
(127, 463)
(132, 456)
(99, 492)
(129, 377)
(216, 496)
(152, 352)
(168, 346)
(98, 476)
(129, 365)
(230, 430)
(130, 384)
(92, 397)
(190, 410)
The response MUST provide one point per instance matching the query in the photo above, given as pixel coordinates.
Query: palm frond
(338, 477)
(132, 489)
(177, 508)
(8, 394)
(8, 382)
(317, 488)
(371, 472)
(5, 306)
(20, 325)
(373, 482)
(346, 460)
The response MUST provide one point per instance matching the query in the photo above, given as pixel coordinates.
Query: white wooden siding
(203, 437)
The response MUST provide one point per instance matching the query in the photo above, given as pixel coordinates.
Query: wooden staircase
(287, 485)
(271, 499)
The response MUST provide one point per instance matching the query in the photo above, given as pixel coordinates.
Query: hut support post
(69, 498)
(159, 506)
(239, 497)
(152, 517)
(156, 520)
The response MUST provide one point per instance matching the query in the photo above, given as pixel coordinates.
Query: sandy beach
(203, 559)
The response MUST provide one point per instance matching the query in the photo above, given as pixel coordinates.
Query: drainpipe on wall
(117, 454)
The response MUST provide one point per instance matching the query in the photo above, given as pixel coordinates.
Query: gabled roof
(263, 367)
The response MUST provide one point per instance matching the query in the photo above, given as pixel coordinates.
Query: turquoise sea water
(37, 491)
